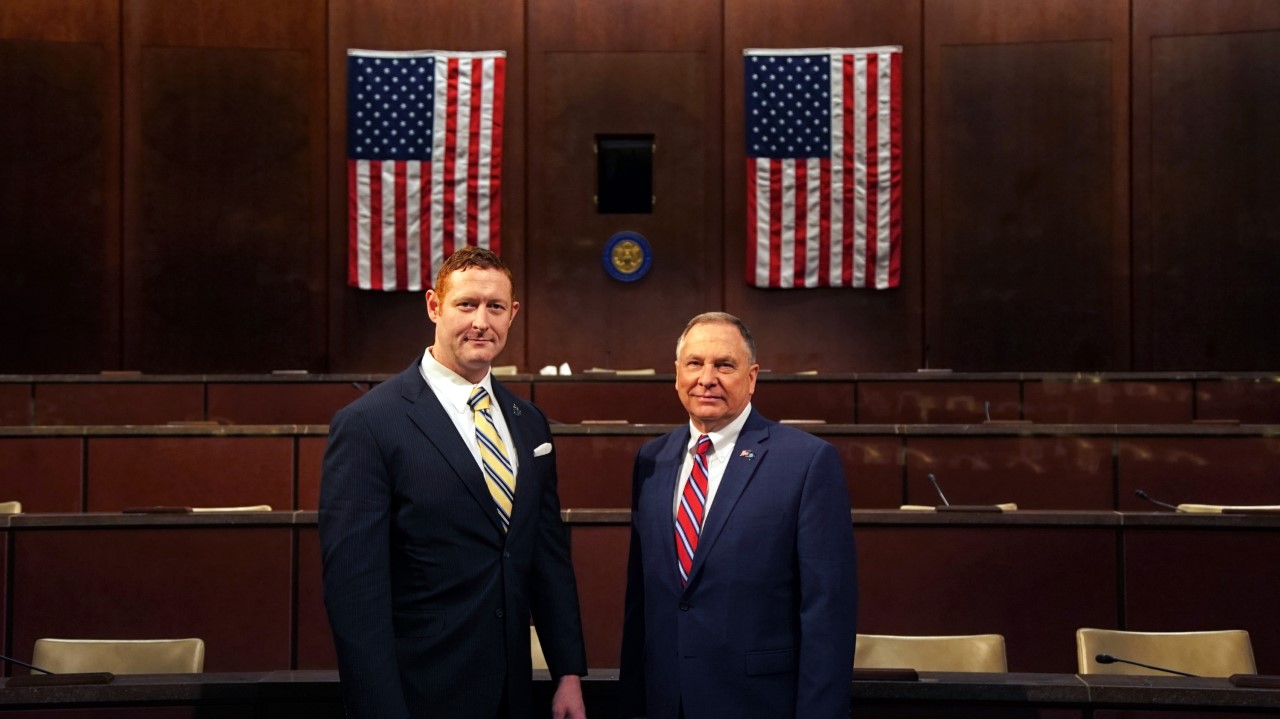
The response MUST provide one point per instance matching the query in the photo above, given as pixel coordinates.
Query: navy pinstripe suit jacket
(428, 600)
(765, 627)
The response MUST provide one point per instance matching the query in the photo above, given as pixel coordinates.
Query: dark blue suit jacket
(766, 625)
(428, 600)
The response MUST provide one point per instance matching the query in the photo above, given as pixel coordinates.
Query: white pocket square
(542, 449)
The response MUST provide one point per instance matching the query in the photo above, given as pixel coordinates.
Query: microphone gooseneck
(1142, 494)
(938, 489)
(1109, 659)
(20, 663)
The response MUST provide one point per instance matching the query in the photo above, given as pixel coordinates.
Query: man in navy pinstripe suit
(741, 582)
(429, 580)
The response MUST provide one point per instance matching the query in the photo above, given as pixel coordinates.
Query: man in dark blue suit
(741, 581)
(440, 527)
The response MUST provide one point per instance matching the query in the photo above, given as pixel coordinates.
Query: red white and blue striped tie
(693, 504)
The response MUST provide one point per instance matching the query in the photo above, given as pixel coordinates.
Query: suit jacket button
(684, 606)
(497, 613)
(506, 555)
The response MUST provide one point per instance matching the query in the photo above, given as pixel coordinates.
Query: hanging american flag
(824, 167)
(424, 161)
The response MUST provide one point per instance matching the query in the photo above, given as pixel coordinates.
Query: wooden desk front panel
(103, 403)
(831, 402)
(230, 586)
(1251, 401)
(1034, 585)
(291, 403)
(929, 402)
(595, 470)
(1110, 402)
(1200, 579)
(600, 566)
(310, 465)
(1198, 470)
(873, 470)
(639, 402)
(42, 473)
(189, 471)
(314, 640)
(1054, 473)
(15, 405)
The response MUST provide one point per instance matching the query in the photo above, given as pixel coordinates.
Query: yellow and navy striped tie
(493, 455)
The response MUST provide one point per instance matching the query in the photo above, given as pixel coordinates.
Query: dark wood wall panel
(45, 474)
(224, 203)
(1226, 578)
(189, 472)
(963, 581)
(630, 68)
(1117, 402)
(937, 402)
(1206, 173)
(263, 403)
(190, 582)
(59, 185)
(1198, 470)
(1032, 472)
(384, 331)
(825, 329)
(1027, 184)
(120, 403)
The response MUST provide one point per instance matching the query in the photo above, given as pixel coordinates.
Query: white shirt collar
(724, 438)
(451, 387)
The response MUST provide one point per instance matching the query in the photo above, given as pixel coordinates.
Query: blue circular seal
(627, 256)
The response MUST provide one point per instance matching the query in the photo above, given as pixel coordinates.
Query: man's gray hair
(707, 318)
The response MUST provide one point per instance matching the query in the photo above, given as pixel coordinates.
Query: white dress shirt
(453, 391)
(722, 442)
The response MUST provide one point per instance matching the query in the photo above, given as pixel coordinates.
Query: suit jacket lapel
(429, 415)
(666, 471)
(737, 474)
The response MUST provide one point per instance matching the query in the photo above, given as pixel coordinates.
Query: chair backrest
(120, 656)
(962, 653)
(10, 507)
(1206, 654)
(535, 649)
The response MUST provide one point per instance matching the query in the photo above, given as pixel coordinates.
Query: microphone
(1141, 494)
(938, 489)
(1108, 659)
(11, 660)
(986, 409)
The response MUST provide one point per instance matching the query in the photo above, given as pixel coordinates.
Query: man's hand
(567, 703)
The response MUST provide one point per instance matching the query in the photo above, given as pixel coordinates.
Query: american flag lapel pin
(748, 454)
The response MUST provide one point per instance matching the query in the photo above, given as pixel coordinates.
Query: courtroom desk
(109, 468)
(250, 584)
(227, 578)
(940, 694)
(1037, 466)
(930, 397)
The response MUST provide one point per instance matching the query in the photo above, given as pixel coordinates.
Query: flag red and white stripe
(826, 210)
(424, 162)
